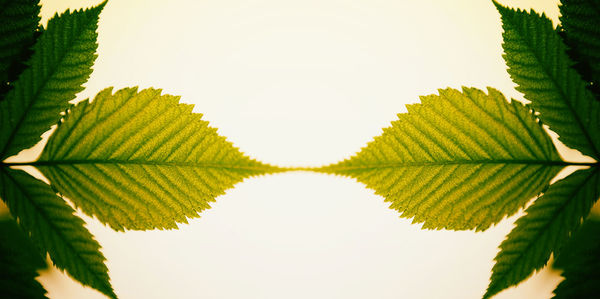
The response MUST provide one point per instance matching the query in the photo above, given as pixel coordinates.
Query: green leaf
(19, 262)
(18, 23)
(141, 160)
(580, 21)
(538, 64)
(53, 227)
(545, 228)
(580, 262)
(457, 160)
(61, 63)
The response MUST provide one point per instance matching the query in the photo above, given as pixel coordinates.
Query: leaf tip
(498, 6)
(101, 5)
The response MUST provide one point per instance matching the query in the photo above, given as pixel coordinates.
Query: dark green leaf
(580, 262)
(19, 20)
(538, 63)
(19, 262)
(545, 228)
(53, 227)
(61, 63)
(580, 21)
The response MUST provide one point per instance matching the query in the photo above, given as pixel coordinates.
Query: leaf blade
(420, 162)
(580, 263)
(61, 63)
(54, 229)
(538, 64)
(140, 160)
(544, 229)
(19, 262)
(18, 23)
(580, 20)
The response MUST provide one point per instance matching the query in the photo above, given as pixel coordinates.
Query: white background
(299, 83)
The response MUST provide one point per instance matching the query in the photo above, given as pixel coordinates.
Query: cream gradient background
(299, 83)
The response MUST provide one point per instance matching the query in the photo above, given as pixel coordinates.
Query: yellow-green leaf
(140, 160)
(459, 160)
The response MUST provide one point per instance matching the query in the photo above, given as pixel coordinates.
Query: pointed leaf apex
(101, 5)
(489, 293)
(498, 5)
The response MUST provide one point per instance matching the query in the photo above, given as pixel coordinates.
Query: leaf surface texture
(538, 63)
(53, 228)
(140, 160)
(61, 63)
(546, 227)
(459, 160)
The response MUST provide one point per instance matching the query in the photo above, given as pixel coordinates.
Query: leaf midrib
(54, 227)
(261, 167)
(269, 168)
(560, 91)
(548, 223)
(459, 162)
(52, 71)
